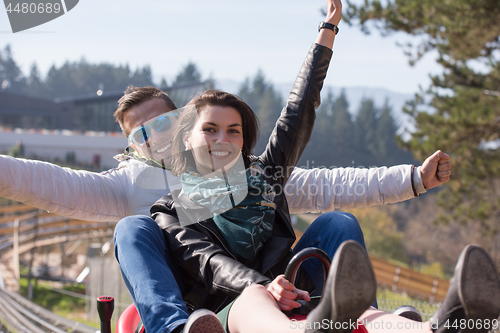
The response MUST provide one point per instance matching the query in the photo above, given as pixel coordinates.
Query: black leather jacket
(211, 273)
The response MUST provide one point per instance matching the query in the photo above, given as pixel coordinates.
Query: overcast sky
(228, 39)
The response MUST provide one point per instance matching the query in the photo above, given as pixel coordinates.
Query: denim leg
(327, 232)
(145, 262)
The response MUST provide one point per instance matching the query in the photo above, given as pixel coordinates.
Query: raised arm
(326, 37)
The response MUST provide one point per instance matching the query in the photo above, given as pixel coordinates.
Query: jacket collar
(130, 154)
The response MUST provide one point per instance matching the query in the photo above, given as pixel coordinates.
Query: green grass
(390, 295)
(388, 301)
(63, 305)
(54, 301)
(301, 225)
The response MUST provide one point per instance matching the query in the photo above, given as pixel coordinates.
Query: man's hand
(285, 293)
(436, 170)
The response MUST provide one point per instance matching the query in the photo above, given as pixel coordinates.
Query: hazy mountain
(354, 95)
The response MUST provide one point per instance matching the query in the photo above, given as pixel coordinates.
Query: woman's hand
(333, 16)
(333, 11)
(285, 293)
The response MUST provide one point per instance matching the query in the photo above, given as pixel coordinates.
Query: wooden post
(30, 272)
(16, 250)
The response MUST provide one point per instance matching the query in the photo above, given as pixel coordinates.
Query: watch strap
(326, 25)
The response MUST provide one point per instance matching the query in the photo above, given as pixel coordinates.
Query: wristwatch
(326, 25)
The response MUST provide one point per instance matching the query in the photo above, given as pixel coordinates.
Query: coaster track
(17, 314)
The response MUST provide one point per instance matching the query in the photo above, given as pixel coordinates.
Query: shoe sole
(358, 289)
(203, 322)
(408, 312)
(480, 289)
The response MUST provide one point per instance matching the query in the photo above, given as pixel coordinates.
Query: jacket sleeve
(200, 257)
(324, 190)
(72, 193)
(295, 124)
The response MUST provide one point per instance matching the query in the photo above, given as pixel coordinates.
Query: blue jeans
(153, 279)
(150, 275)
(327, 232)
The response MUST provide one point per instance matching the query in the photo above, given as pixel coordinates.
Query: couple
(232, 262)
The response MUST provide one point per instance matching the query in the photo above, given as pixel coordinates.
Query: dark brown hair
(189, 116)
(136, 95)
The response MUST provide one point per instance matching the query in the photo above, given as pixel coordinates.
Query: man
(122, 191)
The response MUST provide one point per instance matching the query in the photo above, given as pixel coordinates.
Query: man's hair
(134, 96)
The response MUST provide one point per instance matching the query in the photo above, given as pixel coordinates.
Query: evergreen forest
(339, 139)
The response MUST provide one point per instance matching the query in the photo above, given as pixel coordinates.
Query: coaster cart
(130, 321)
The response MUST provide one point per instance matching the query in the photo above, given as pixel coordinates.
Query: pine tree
(11, 76)
(365, 130)
(189, 74)
(82, 78)
(342, 133)
(265, 101)
(321, 150)
(389, 152)
(35, 83)
(459, 113)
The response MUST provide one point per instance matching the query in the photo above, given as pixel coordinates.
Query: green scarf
(242, 207)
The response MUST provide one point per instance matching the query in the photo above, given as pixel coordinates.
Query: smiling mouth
(164, 149)
(219, 153)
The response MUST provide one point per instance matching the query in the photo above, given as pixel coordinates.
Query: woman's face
(216, 139)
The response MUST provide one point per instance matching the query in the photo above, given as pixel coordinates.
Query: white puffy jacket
(133, 187)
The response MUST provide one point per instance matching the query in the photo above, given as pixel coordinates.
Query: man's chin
(163, 160)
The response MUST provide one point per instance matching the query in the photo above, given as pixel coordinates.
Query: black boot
(473, 295)
(348, 292)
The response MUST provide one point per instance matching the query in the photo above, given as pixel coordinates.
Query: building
(74, 130)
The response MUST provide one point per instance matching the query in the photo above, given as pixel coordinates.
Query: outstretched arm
(73, 193)
(324, 190)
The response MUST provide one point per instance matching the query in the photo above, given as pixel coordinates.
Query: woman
(228, 240)
(224, 239)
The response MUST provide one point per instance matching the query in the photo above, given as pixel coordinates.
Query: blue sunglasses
(161, 124)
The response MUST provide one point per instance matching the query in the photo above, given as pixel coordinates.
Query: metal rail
(18, 314)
